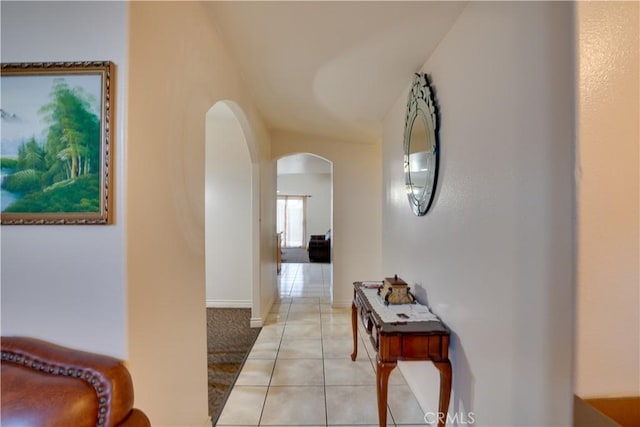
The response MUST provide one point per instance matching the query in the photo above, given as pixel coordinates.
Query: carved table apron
(402, 341)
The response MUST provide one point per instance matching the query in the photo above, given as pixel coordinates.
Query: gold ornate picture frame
(56, 148)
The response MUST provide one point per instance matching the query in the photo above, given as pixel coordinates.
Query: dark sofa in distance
(319, 247)
(48, 385)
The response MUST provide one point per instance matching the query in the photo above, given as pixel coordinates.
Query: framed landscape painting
(55, 143)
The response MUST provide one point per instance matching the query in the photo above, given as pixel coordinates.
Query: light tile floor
(299, 372)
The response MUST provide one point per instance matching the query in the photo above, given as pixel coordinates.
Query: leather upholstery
(44, 384)
(319, 247)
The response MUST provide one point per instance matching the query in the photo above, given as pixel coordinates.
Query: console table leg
(382, 384)
(354, 329)
(445, 390)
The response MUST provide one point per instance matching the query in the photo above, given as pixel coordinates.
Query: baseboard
(216, 303)
(267, 307)
(341, 304)
(256, 322)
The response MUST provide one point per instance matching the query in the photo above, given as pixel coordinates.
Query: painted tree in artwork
(62, 172)
(30, 155)
(72, 146)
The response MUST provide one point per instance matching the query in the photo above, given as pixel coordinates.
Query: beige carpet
(229, 340)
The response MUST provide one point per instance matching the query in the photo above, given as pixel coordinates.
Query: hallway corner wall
(172, 88)
(494, 257)
(608, 293)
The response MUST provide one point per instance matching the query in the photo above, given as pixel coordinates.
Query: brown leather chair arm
(106, 376)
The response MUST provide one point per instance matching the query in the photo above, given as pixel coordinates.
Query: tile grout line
(289, 284)
(275, 361)
(324, 374)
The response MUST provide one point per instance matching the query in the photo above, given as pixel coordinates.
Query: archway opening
(304, 195)
(232, 246)
(231, 210)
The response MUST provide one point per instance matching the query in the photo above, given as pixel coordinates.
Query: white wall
(316, 185)
(171, 90)
(228, 211)
(356, 232)
(67, 283)
(494, 255)
(268, 240)
(608, 322)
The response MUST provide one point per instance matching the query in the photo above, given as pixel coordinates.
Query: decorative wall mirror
(421, 146)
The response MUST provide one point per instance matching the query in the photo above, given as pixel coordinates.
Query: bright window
(292, 220)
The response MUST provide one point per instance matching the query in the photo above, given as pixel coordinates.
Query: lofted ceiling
(332, 69)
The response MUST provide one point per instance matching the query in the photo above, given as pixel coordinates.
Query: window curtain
(292, 220)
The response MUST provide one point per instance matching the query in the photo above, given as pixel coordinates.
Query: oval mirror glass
(420, 146)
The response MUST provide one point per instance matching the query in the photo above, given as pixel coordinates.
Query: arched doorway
(232, 205)
(304, 193)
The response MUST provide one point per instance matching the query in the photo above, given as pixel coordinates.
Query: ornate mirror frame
(421, 149)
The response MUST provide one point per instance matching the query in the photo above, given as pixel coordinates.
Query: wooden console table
(402, 340)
